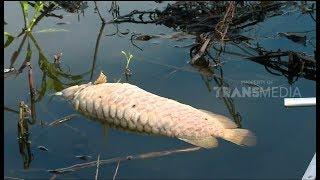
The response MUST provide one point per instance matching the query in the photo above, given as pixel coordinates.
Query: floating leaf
(10, 38)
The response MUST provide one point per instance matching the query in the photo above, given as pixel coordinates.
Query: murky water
(286, 137)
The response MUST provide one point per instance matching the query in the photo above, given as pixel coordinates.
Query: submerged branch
(62, 120)
(96, 50)
(77, 167)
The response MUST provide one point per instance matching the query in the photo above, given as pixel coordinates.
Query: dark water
(286, 137)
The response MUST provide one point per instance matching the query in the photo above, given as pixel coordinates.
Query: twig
(11, 110)
(116, 172)
(7, 177)
(102, 20)
(98, 164)
(62, 120)
(131, 40)
(77, 167)
(96, 50)
(32, 93)
(17, 52)
(53, 177)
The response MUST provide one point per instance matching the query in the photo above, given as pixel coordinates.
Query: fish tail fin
(242, 137)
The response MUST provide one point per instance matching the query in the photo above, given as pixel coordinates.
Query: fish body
(130, 107)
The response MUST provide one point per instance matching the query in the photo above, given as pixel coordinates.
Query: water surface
(286, 137)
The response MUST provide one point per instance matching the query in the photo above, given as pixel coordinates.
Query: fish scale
(129, 107)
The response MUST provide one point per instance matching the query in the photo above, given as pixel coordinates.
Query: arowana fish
(130, 107)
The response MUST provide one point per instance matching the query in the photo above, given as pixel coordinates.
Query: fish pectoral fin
(208, 142)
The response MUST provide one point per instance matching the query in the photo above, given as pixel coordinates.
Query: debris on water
(62, 23)
(9, 70)
(300, 38)
(146, 37)
(77, 167)
(129, 157)
(175, 36)
(62, 120)
(128, 72)
(185, 46)
(155, 42)
(72, 6)
(84, 157)
(57, 58)
(59, 172)
(43, 148)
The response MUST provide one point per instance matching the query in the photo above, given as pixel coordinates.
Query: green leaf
(38, 8)
(10, 38)
(25, 9)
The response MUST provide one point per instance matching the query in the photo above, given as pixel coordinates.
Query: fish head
(70, 92)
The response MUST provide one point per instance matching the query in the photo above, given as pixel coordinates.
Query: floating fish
(130, 107)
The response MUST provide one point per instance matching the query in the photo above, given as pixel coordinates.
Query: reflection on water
(255, 45)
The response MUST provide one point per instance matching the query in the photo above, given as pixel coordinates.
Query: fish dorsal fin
(208, 142)
(101, 79)
(224, 121)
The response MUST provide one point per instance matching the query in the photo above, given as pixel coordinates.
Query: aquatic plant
(128, 56)
(38, 7)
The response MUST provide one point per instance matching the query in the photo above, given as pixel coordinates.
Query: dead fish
(43, 148)
(84, 157)
(130, 107)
